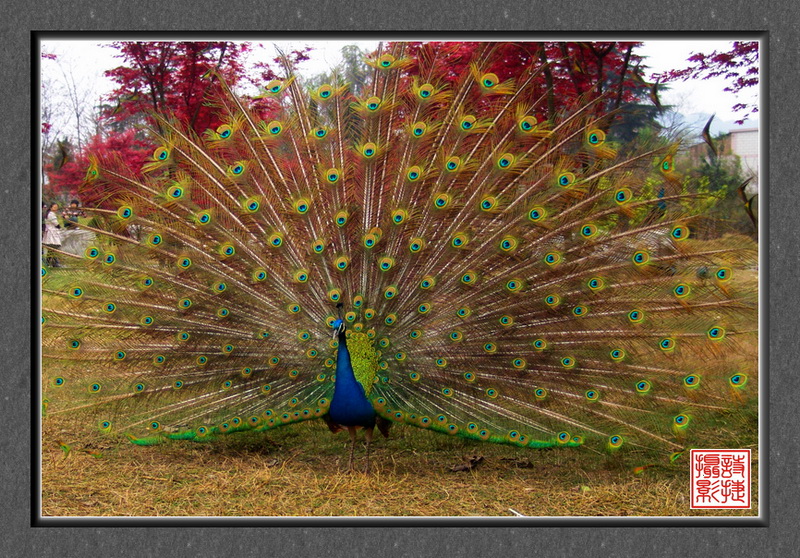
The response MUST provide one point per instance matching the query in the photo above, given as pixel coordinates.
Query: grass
(299, 471)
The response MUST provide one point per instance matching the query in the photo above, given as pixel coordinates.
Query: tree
(739, 65)
(572, 72)
(65, 181)
(164, 78)
(264, 70)
(48, 108)
(67, 117)
(171, 78)
(352, 70)
(178, 78)
(77, 95)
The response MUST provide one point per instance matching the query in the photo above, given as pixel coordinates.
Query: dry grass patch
(299, 471)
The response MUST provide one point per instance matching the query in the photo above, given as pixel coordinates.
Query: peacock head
(338, 325)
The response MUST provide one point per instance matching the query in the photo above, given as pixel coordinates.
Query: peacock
(431, 252)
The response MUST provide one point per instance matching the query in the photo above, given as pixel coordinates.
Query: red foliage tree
(178, 78)
(739, 65)
(173, 78)
(65, 181)
(572, 72)
(164, 78)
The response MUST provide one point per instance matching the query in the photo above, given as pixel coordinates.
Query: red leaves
(125, 147)
(172, 78)
(266, 73)
(161, 77)
(575, 69)
(739, 66)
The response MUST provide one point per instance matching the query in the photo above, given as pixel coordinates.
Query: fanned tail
(504, 277)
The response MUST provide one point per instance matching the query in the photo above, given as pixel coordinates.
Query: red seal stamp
(720, 478)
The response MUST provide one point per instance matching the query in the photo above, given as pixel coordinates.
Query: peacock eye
(489, 80)
(595, 137)
(566, 179)
(527, 123)
(161, 154)
(641, 257)
(623, 195)
(506, 161)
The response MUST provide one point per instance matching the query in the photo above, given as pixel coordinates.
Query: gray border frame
(18, 537)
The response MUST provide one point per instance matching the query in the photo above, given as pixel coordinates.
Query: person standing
(52, 235)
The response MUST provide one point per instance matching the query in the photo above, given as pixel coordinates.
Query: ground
(300, 471)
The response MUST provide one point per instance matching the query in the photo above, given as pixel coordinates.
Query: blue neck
(349, 405)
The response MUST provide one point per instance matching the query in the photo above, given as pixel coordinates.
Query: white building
(744, 143)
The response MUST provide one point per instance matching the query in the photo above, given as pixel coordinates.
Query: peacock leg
(352, 431)
(368, 436)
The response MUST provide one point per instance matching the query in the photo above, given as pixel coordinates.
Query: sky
(86, 61)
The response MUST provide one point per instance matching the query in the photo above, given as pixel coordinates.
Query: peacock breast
(356, 369)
